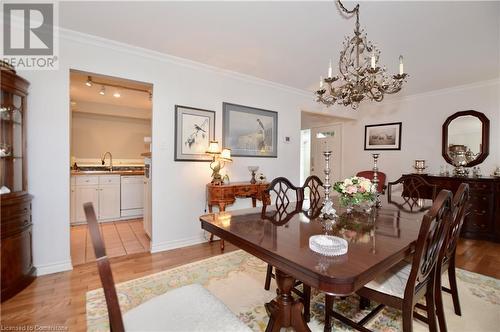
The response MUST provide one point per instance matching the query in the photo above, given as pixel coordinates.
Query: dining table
(378, 238)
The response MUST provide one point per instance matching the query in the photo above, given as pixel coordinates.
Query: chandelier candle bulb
(330, 70)
(401, 69)
(373, 61)
(321, 82)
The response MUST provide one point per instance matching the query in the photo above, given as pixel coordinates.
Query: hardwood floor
(121, 238)
(479, 256)
(59, 299)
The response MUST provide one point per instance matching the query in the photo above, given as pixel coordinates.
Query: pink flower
(362, 189)
(351, 189)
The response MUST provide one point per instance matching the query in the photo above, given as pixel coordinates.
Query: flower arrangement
(355, 190)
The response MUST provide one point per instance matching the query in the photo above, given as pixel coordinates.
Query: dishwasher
(132, 196)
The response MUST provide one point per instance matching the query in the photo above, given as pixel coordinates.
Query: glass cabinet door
(11, 142)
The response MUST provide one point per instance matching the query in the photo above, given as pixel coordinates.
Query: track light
(89, 81)
(117, 94)
(102, 90)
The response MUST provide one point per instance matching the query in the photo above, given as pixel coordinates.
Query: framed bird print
(249, 131)
(194, 128)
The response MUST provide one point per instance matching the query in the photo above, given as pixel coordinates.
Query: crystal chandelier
(359, 76)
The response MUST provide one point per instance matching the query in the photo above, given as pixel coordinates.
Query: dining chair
(414, 191)
(404, 284)
(188, 308)
(313, 196)
(381, 176)
(446, 260)
(287, 196)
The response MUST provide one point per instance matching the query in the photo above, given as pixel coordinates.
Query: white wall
(94, 134)
(178, 187)
(422, 117)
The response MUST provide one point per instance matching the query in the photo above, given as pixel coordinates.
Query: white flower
(347, 182)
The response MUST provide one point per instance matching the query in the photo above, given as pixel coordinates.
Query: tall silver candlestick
(327, 211)
(375, 178)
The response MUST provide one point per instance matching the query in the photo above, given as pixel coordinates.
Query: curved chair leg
(306, 290)
(407, 317)
(453, 287)
(328, 309)
(439, 306)
(267, 285)
(431, 309)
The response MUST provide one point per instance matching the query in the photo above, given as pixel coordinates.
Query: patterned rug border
(136, 291)
(173, 269)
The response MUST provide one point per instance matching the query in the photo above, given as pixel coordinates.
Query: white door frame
(341, 125)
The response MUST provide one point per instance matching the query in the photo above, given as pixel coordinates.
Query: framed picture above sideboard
(383, 136)
(250, 131)
(194, 129)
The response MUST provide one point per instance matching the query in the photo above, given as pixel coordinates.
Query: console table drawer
(245, 191)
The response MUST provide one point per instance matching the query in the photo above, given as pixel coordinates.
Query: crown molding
(439, 92)
(93, 40)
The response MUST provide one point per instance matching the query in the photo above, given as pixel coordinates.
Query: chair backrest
(459, 211)
(313, 188)
(415, 189)
(430, 241)
(108, 284)
(285, 194)
(380, 176)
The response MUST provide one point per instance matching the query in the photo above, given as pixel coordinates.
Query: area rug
(237, 279)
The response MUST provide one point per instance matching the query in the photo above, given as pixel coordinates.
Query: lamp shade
(226, 155)
(213, 148)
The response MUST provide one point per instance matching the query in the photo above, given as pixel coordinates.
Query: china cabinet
(17, 269)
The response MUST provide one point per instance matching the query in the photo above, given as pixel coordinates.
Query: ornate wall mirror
(466, 138)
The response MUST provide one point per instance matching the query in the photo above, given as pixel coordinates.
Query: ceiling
(445, 44)
(80, 92)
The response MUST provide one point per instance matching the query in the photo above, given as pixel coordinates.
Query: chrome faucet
(110, 160)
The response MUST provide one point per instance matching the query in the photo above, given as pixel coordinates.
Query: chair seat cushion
(188, 308)
(393, 281)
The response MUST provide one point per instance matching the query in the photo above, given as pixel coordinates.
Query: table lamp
(219, 160)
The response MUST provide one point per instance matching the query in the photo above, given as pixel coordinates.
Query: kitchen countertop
(138, 172)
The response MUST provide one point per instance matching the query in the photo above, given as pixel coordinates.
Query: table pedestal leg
(285, 311)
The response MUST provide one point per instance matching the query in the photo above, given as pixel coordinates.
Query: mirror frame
(485, 140)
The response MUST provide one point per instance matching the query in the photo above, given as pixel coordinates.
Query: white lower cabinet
(85, 194)
(102, 191)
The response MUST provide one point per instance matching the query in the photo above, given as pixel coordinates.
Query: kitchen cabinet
(103, 191)
(84, 194)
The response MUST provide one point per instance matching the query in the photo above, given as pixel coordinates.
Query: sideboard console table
(483, 211)
(222, 195)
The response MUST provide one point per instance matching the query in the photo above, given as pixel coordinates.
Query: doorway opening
(320, 133)
(110, 163)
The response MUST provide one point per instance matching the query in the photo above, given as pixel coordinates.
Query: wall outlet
(287, 140)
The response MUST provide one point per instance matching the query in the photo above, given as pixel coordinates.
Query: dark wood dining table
(376, 241)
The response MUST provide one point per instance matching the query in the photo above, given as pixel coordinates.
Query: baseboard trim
(53, 268)
(169, 245)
